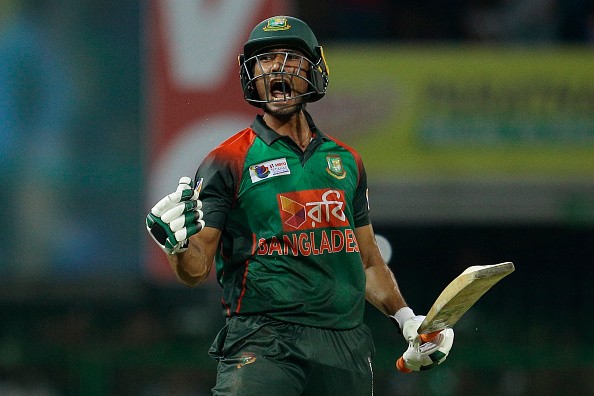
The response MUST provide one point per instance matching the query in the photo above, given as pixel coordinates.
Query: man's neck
(294, 126)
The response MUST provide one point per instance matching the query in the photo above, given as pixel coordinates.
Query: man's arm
(381, 289)
(193, 265)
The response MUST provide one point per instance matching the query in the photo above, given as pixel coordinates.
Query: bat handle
(401, 366)
(429, 336)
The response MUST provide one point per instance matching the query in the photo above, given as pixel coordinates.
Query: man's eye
(294, 57)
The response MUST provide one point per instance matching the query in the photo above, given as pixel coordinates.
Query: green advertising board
(459, 112)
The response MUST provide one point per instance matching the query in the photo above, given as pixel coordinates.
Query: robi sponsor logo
(311, 209)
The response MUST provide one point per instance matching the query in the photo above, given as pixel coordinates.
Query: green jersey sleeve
(221, 172)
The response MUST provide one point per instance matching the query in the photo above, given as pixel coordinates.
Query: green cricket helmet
(288, 33)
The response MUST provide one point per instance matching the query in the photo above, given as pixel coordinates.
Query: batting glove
(420, 357)
(408, 323)
(176, 217)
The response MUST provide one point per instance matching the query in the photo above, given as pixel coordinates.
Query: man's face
(283, 80)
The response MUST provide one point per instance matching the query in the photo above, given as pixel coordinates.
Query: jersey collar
(269, 136)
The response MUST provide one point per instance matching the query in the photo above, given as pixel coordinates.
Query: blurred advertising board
(468, 133)
(465, 111)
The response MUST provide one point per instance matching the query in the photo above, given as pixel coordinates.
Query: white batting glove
(408, 322)
(411, 326)
(176, 217)
(420, 357)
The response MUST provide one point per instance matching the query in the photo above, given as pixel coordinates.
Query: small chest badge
(268, 169)
(335, 167)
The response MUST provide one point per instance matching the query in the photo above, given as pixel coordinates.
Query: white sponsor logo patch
(268, 169)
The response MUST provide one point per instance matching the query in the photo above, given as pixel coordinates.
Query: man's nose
(278, 62)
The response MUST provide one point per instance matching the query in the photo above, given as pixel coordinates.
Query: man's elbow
(192, 279)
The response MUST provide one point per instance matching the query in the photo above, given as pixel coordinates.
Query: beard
(282, 110)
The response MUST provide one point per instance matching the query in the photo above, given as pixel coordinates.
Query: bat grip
(401, 366)
(429, 336)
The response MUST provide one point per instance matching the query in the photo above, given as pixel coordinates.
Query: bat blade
(461, 294)
(456, 299)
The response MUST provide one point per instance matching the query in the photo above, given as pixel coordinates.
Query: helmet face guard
(292, 66)
(286, 33)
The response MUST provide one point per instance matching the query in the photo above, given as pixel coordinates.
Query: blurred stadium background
(476, 122)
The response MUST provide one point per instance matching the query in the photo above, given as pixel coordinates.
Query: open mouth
(280, 90)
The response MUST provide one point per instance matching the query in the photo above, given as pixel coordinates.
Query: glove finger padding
(187, 184)
(428, 355)
(184, 192)
(185, 220)
(188, 231)
(176, 217)
(179, 210)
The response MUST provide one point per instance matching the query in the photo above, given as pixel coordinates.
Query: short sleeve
(217, 194)
(360, 200)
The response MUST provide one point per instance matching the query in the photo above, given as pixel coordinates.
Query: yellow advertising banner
(458, 112)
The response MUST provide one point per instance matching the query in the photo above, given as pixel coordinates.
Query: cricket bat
(457, 298)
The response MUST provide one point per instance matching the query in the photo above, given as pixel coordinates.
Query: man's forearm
(193, 265)
(382, 290)
(190, 266)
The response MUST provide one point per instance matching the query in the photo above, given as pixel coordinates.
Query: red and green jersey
(288, 248)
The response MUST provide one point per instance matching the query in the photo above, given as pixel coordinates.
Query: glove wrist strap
(401, 316)
(183, 246)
